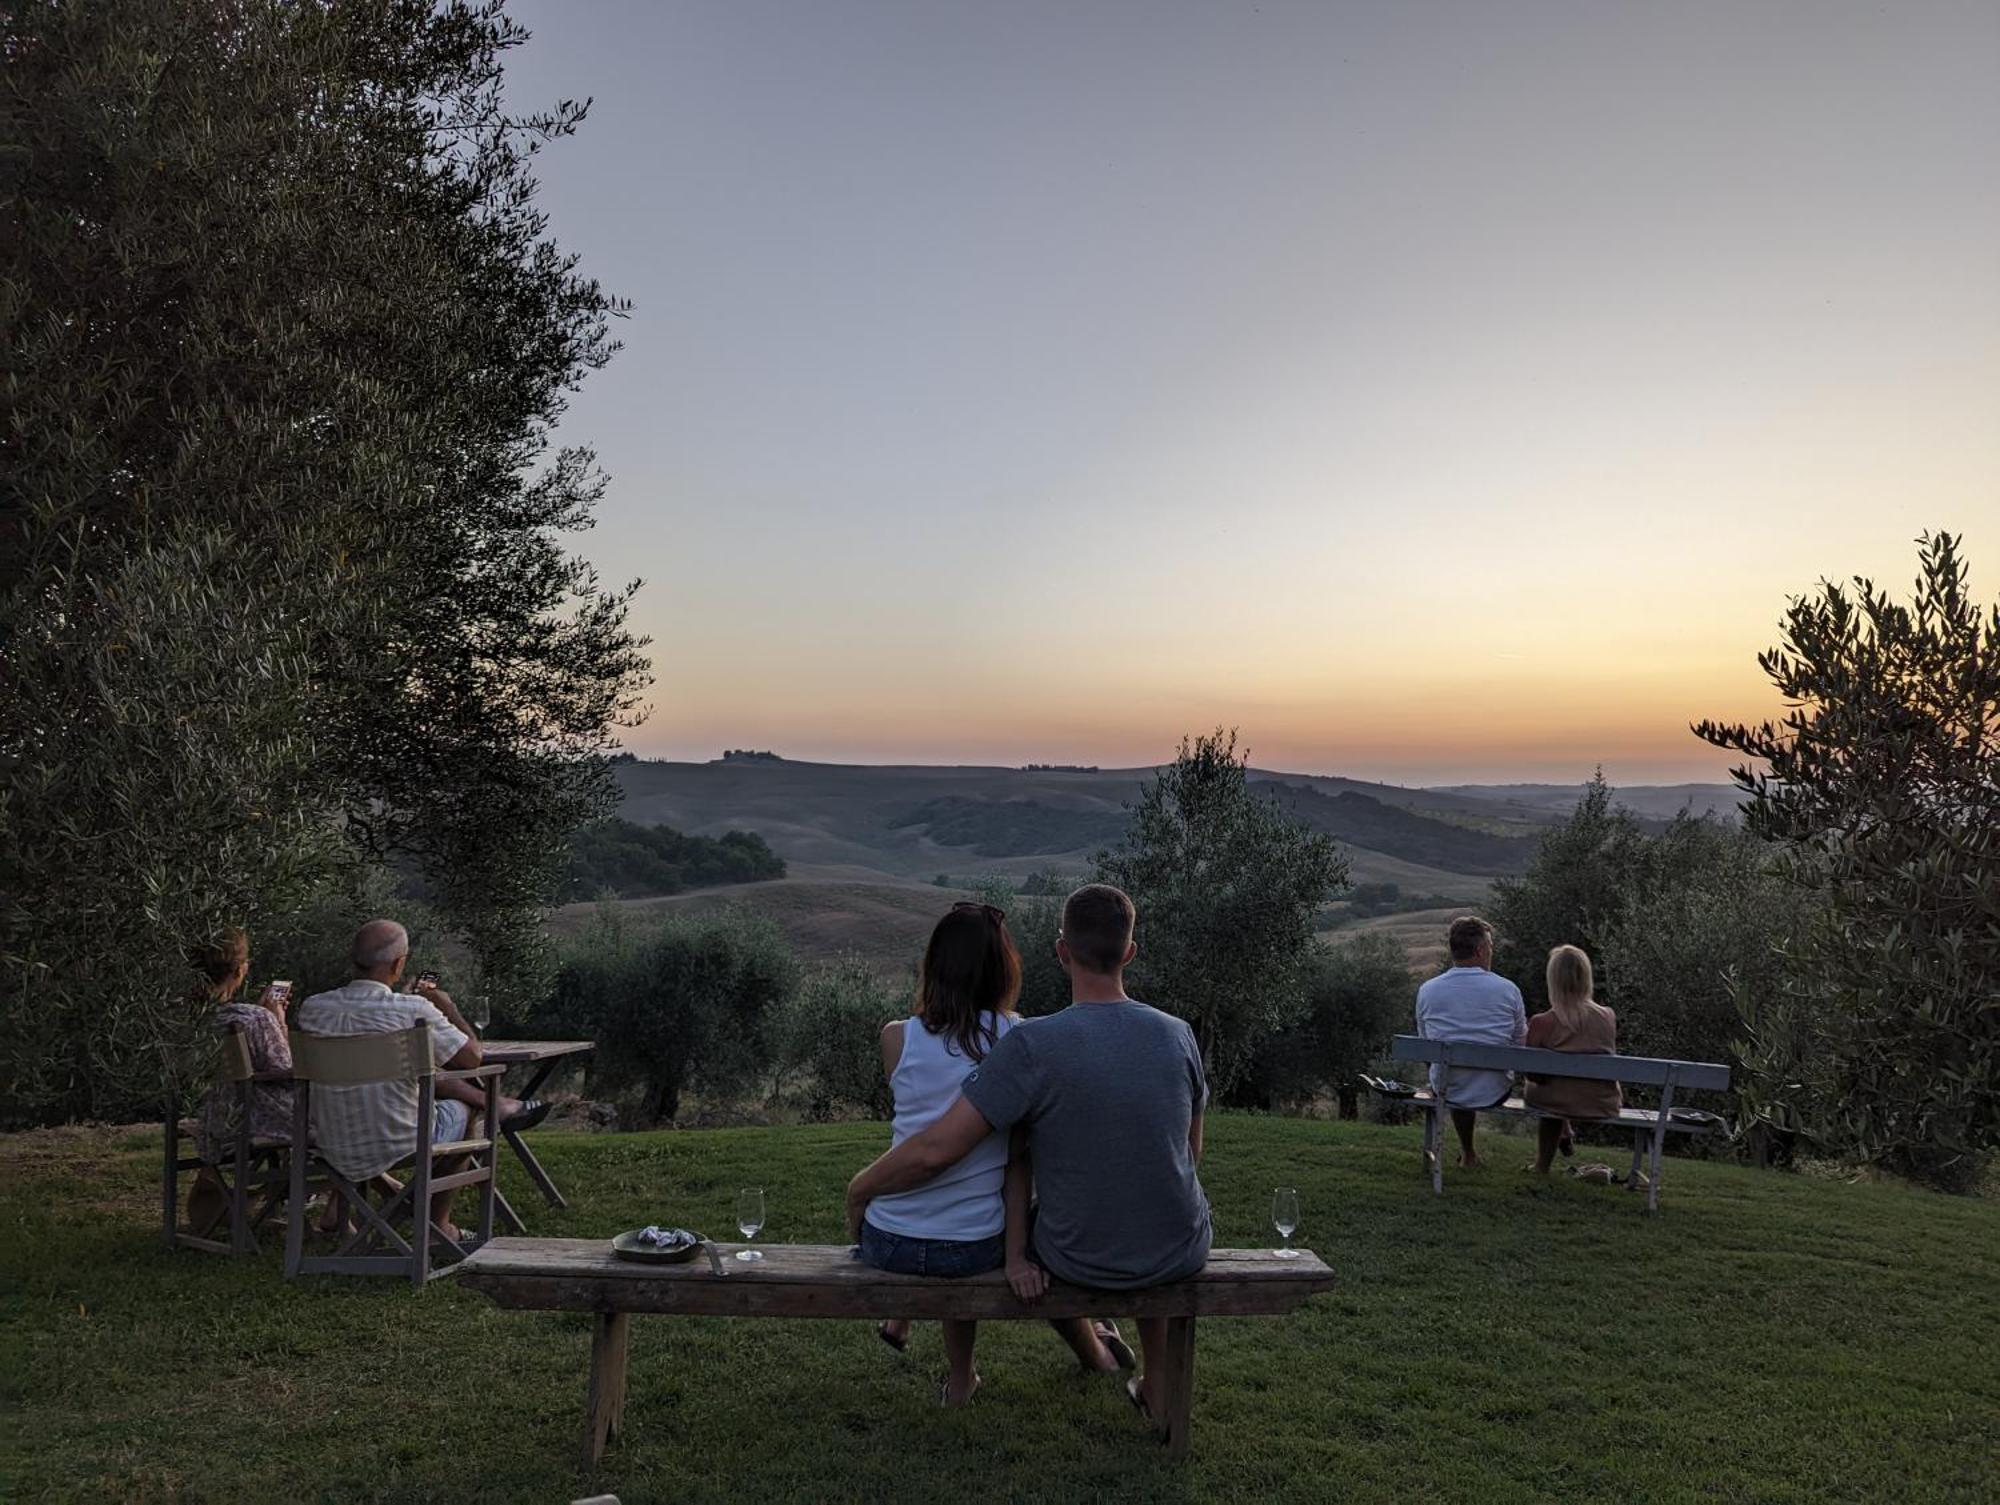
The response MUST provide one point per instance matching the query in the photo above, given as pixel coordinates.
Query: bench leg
(604, 1411)
(1653, 1174)
(1180, 1384)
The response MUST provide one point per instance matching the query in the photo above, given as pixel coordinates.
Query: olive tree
(1882, 779)
(1226, 883)
(285, 583)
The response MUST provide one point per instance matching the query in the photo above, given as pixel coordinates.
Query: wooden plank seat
(1649, 1126)
(814, 1280)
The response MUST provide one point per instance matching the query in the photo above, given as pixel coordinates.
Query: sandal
(944, 1390)
(899, 1344)
(1117, 1347)
(1137, 1396)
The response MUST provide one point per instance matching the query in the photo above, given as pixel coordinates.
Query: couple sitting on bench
(1061, 1146)
(1474, 1004)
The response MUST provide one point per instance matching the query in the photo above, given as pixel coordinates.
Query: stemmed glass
(482, 1012)
(750, 1218)
(1285, 1218)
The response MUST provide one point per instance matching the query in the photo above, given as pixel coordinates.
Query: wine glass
(1285, 1218)
(750, 1218)
(482, 1012)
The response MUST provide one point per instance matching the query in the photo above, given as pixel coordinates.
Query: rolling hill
(864, 843)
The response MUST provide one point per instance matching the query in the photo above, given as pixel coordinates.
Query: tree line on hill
(619, 859)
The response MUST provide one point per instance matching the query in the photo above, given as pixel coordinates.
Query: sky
(1435, 392)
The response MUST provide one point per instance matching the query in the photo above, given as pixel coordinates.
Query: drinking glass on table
(750, 1218)
(480, 1012)
(1285, 1218)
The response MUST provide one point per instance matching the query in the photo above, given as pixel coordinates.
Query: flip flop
(882, 1332)
(1137, 1397)
(944, 1390)
(532, 1112)
(1117, 1347)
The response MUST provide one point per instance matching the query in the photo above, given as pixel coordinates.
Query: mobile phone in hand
(282, 987)
(427, 979)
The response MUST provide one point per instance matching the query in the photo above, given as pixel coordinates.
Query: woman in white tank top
(952, 1225)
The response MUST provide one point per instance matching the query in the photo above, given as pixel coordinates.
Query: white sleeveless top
(963, 1203)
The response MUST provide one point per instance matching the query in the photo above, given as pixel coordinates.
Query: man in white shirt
(1471, 1003)
(365, 1129)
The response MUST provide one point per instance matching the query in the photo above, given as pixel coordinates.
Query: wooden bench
(1650, 1127)
(809, 1280)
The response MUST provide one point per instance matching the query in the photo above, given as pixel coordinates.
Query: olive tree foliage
(1584, 874)
(826, 1037)
(1358, 993)
(1226, 884)
(1677, 923)
(284, 587)
(683, 1002)
(1707, 920)
(1882, 779)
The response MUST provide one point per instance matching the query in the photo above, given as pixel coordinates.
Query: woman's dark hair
(217, 959)
(970, 970)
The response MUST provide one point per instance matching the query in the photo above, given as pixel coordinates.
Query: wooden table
(810, 1280)
(544, 1056)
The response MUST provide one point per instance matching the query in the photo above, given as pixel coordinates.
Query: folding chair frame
(250, 1169)
(377, 1247)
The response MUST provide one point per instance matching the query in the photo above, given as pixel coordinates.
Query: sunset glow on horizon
(1439, 394)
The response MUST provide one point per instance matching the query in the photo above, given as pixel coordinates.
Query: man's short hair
(1097, 922)
(380, 942)
(1468, 934)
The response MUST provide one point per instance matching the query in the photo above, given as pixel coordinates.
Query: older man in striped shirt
(365, 1129)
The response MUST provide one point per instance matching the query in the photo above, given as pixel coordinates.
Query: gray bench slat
(1639, 1071)
(1628, 1118)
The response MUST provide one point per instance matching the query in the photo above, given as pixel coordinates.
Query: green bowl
(628, 1246)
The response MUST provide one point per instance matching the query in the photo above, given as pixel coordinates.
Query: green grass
(1768, 1338)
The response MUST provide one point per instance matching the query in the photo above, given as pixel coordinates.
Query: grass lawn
(1768, 1338)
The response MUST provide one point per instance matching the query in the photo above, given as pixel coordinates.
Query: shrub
(1357, 994)
(686, 1002)
(829, 1030)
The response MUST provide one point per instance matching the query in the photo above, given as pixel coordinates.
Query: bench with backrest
(1650, 1126)
(803, 1280)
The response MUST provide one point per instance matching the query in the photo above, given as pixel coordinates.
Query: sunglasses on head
(992, 912)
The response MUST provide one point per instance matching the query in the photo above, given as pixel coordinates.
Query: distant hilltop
(748, 755)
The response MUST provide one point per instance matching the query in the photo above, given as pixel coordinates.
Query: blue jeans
(949, 1258)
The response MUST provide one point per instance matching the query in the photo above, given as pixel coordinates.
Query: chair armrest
(471, 1072)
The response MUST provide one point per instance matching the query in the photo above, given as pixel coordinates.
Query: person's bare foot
(896, 1333)
(1469, 1161)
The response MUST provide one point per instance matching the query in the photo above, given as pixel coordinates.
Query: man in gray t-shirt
(1107, 1097)
(1107, 1093)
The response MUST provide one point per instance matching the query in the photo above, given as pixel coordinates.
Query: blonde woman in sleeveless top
(1573, 1021)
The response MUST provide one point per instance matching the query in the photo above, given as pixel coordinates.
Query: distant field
(884, 922)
